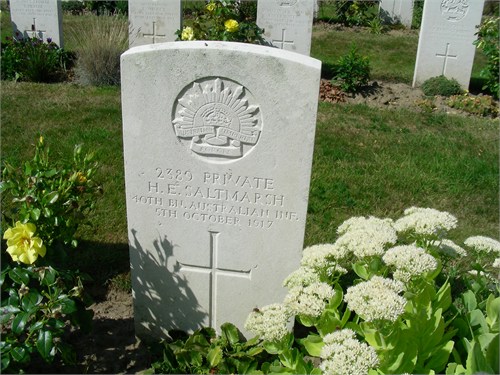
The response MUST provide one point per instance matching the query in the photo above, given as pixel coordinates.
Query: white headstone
(153, 21)
(37, 18)
(397, 11)
(287, 24)
(445, 42)
(217, 168)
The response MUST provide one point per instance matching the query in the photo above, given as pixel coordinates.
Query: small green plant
(352, 71)
(56, 198)
(480, 105)
(226, 20)
(441, 85)
(98, 46)
(39, 297)
(488, 41)
(32, 59)
(376, 26)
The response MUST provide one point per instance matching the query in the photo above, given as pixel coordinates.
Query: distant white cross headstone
(445, 41)
(217, 201)
(291, 17)
(153, 21)
(37, 18)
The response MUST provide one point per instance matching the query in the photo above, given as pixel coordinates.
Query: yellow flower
(231, 26)
(211, 7)
(80, 178)
(22, 245)
(187, 33)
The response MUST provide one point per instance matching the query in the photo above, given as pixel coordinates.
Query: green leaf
(469, 300)
(477, 319)
(19, 275)
(45, 344)
(50, 173)
(440, 357)
(313, 344)
(230, 332)
(5, 361)
(67, 305)
(443, 297)
(35, 214)
(476, 361)
(493, 311)
(20, 354)
(19, 322)
(361, 270)
(272, 347)
(30, 300)
(49, 276)
(51, 197)
(492, 354)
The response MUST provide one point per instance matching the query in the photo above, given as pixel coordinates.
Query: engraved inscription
(217, 119)
(454, 10)
(286, 3)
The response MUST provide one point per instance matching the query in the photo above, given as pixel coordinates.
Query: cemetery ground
(372, 157)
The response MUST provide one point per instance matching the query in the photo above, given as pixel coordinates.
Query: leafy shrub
(418, 10)
(100, 7)
(73, 7)
(387, 297)
(226, 20)
(98, 46)
(349, 12)
(488, 41)
(441, 85)
(481, 105)
(39, 297)
(352, 71)
(32, 59)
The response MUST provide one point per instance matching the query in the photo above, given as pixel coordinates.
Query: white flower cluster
(365, 237)
(483, 244)
(344, 354)
(365, 223)
(303, 276)
(449, 248)
(323, 257)
(376, 299)
(410, 261)
(310, 300)
(270, 322)
(496, 263)
(426, 221)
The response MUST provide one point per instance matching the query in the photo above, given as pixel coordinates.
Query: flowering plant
(226, 20)
(386, 297)
(46, 203)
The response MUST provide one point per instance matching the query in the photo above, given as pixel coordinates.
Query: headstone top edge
(228, 46)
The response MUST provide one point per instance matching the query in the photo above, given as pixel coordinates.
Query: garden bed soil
(111, 347)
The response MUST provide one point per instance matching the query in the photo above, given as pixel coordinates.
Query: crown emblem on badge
(214, 119)
(454, 10)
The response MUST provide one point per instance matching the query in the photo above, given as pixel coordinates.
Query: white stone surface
(445, 41)
(153, 21)
(218, 142)
(397, 11)
(40, 18)
(287, 24)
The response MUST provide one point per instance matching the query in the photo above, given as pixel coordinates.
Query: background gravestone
(445, 41)
(217, 167)
(287, 24)
(397, 11)
(40, 18)
(153, 21)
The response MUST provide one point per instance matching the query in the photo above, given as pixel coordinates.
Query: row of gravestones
(445, 42)
(217, 170)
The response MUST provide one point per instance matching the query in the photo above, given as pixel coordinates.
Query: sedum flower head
(496, 263)
(366, 242)
(483, 244)
(324, 257)
(231, 25)
(187, 33)
(449, 248)
(376, 299)
(410, 261)
(211, 6)
(426, 221)
(365, 223)
(344, 354)
(310, 300)
(23, 246)
(302, 276)
(270, 322)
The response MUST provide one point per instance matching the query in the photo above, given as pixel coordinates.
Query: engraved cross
(214, 271)
(154, 35)
(283, 40)
(446, 56)
(35, 31)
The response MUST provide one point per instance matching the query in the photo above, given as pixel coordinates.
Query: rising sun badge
(217, 119)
